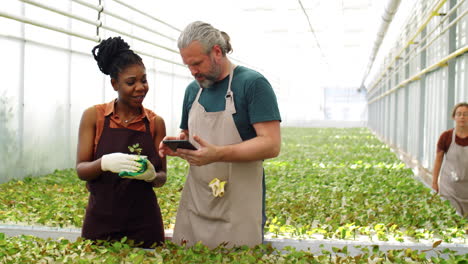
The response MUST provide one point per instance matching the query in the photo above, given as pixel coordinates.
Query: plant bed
(328, 183)
(317, 247)
(31, 249)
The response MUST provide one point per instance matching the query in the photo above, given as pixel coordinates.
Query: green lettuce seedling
(135, 148)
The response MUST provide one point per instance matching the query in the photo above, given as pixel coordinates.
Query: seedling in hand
(135, 149)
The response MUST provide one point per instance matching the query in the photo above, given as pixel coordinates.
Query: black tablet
(175, 144)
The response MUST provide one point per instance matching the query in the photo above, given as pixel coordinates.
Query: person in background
(230, 113)
(122, 207)
(450, 175)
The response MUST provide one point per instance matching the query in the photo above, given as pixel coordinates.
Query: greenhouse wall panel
(461, 79)
(401, 118)
(10, 110)
(414, 116)
(45, 110)
(462, 28)
(392, 118)
(436, 113)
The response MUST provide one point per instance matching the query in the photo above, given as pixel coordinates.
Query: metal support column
(20, 135)
(422, 99)
(397, 111)
(451, 72)
(67, 125)
(404, 140)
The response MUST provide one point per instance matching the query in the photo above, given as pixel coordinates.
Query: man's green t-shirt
(254, 99)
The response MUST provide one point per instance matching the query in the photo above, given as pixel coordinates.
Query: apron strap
(453, 135)
(229, 106)
(198, 94)
(147, 125)
(106, 121)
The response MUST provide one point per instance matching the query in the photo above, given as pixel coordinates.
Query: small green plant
(327, 183)
(135, 149)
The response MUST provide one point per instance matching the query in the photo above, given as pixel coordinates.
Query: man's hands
(266, 145)
(118, 162)
(206, 153)
(164, 150)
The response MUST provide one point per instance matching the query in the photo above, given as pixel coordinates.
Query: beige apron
(453, 181)
(235, 218)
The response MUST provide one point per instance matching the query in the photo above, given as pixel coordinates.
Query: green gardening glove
(143, 166)
(147, 174)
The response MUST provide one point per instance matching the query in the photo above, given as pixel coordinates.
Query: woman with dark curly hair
(451, 162)
(122, 202)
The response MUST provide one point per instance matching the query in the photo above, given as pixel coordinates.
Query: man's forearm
(258, 148)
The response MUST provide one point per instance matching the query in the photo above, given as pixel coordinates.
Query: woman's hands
(150, 175)
(160, 179)
(118, 162)
(435, 186)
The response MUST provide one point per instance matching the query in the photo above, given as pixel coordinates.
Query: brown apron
(453, 181)
(235, 218)
(119, 207)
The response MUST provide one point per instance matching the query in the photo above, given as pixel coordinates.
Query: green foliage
(344, 183)
(135, 148)
(335, 183)
(30, 249)
(58, 199)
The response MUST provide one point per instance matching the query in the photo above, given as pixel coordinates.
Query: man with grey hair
(230, 113)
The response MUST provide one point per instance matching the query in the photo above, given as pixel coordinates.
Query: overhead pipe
(431, 14)
(48, 26)
(61, 12)
(147, 15)
(123, 3)
(446, 15)
(441, 63)
(100, 8)
(313, 32)
(107, 12)
(390, 10)
(441, 32)
(26, 20)
(99, 23)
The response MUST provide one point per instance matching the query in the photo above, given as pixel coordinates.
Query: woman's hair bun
(106, 52)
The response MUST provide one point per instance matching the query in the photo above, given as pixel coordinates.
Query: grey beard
(212, 76)
(206, 83)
